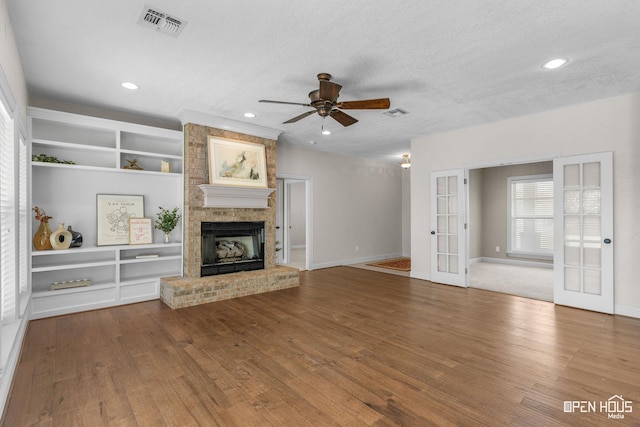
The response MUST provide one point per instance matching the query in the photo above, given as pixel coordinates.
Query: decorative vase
(76, 238)
(41, 240)
(61, 238)
(166, 238)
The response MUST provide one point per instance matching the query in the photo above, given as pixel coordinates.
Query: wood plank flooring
(349, 347)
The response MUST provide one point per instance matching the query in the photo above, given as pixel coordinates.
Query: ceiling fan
(325, 102)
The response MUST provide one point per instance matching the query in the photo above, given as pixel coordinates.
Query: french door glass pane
(572, 254)
(591, 255)
(442, 243)
(572, 227)
(591, 201)
(442, 223)
(453, 244)
(572, 175)
(453, 224)
(442, 263)
(442, 205)
(441, 185)
(572, 279)
(453, 185)
(572, 201)
(592, 282)
(453, 264)
(591, 229)
(591, 174)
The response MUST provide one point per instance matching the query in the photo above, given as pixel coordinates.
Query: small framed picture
(140, 231)
(113, 212)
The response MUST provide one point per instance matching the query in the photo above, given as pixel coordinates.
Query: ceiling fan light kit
(324, 100)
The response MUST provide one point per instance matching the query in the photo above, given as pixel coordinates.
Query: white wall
(10, 62)
(406, 212)
(606, 125)
(357, 205)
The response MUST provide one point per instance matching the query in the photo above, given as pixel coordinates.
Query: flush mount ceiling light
(129, 85)
(249, 115)
(406, 161)
(554, 63)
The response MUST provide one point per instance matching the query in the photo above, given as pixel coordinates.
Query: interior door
(583, 231)
(448, 228)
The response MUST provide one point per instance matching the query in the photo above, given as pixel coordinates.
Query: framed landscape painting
(113, 212)
(236, 163)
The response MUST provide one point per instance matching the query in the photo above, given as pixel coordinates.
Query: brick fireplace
(191, 288)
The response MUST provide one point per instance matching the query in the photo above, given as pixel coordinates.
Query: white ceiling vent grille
(157, 20)
(396, 113)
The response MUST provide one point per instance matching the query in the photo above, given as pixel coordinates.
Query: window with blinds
(530, 222)
(7, 220)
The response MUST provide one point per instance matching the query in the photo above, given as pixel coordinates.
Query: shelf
(145, 153)
(72, 146)
(58, 267)
(90, 288)
(99, 148)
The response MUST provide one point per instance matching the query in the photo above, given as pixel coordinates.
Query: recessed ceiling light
(129, 85)
(250, 115)
(326, 132)
(554, 63)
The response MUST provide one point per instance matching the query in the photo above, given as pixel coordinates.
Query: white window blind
(7, 219)
(531, 215)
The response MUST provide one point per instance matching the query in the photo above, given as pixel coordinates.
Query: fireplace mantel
(219, 196)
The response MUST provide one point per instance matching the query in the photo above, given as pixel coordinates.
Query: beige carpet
(528, 282)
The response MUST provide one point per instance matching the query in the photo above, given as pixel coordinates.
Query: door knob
(433, 232)
(607, 241)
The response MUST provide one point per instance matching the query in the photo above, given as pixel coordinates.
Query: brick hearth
(191, 289)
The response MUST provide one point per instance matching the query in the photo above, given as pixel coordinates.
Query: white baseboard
(420, 275)
(627, 311)
(356, 260)
(512, 262)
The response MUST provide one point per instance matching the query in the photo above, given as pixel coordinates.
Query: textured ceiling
(450, 64)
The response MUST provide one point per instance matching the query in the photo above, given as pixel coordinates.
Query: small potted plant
(167, 221)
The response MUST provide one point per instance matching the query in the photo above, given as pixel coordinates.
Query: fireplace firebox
(228, 247)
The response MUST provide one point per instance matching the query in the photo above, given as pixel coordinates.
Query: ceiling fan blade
(301, 116)
(343, 118)
(368, 104)
(284, 102)
(329, 91)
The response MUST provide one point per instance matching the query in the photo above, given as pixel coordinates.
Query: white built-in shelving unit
(100, 148)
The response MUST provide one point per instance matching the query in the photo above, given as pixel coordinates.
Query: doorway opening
(510, 247)
(293, 221)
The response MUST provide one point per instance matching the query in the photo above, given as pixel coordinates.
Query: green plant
(167, 219)
(50, 159)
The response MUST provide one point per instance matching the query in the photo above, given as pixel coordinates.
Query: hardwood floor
(348, 347)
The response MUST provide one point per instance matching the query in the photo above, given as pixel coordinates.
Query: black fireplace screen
(228, 247)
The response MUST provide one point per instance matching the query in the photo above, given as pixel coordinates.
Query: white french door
(583, 231)
(448, 231)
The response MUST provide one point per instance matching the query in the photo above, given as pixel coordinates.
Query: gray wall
(357, 205)
(488, 207)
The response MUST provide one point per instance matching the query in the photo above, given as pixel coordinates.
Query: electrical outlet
(497, 248)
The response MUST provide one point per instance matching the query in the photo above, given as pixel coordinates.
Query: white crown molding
(204, 119)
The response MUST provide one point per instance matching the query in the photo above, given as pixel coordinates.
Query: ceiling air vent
(161, 22)
(396, 113)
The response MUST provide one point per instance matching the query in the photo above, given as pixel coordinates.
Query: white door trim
(308, 192)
